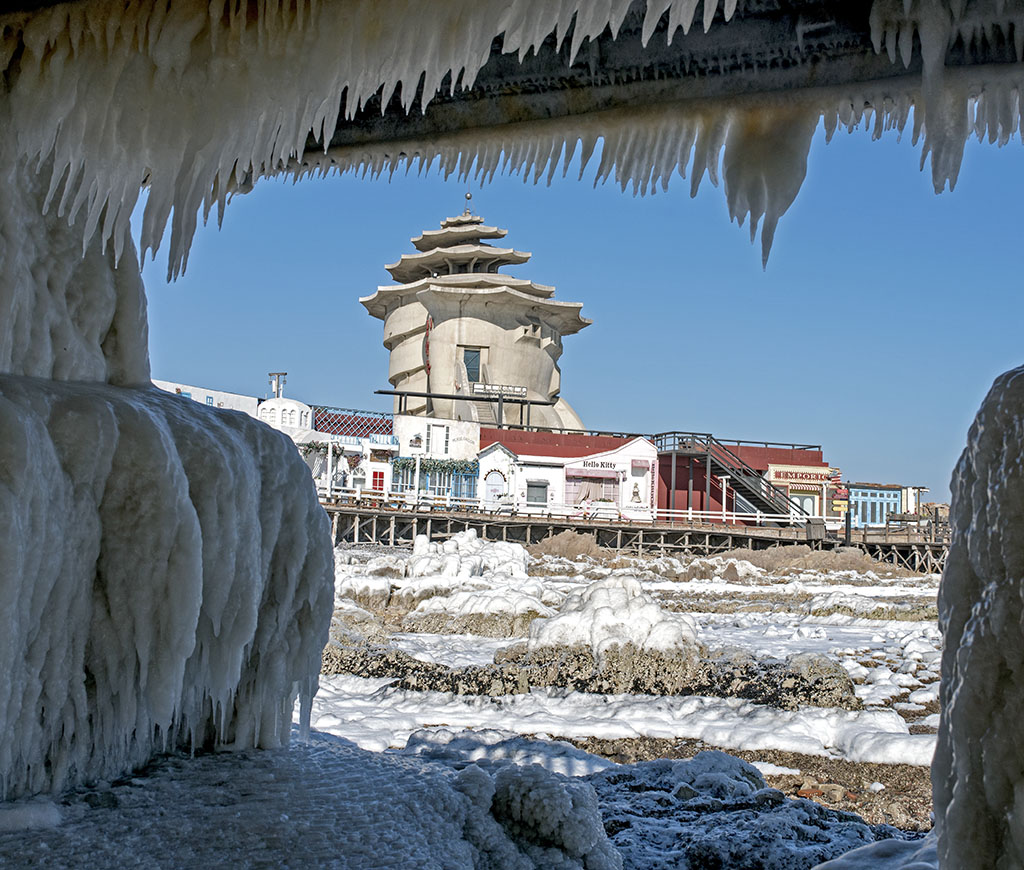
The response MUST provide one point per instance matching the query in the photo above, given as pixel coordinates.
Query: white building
(613, 484)
(338, 462)
(436, 456)
(212, 398)
(455, 326)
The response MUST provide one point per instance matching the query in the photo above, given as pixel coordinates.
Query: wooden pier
(377, 524)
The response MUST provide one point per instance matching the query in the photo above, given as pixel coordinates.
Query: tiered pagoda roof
(456, 260)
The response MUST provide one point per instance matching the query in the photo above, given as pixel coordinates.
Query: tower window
(471, 357)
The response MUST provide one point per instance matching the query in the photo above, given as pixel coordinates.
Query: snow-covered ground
(894, 664)
(498, 778)
(878, 626)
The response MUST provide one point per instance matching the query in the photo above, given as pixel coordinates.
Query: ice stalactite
(165, 568)
(64, 313)
(165, 580)
(758, 151)
(197, 99)
(977, 776)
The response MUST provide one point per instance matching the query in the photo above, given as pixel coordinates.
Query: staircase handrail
(768, 489)
(736, 466)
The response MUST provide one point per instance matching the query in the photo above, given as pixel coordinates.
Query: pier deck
(380, 524)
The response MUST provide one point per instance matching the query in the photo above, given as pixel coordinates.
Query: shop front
(806, 486)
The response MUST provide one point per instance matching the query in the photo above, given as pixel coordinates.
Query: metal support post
(330, 470)
(672, 495)
(707, 482)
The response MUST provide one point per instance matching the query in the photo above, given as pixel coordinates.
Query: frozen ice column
(165, 568)
(977, 775)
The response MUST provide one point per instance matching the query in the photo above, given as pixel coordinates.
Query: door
(494, 487)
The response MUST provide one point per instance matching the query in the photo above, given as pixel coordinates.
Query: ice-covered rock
(465, 555)
(165, 580)
(889, 855)
(368, 590)
(614, 612)
(717, 811)
(323, 803)
(506, 609)
(977, 778)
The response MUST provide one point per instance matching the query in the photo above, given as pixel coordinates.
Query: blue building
(871, 504)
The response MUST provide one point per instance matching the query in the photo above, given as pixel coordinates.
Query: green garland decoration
(431, 466)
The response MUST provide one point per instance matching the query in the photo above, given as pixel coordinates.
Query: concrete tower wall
(452, 298)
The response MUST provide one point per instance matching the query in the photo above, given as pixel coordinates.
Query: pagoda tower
(455, 325)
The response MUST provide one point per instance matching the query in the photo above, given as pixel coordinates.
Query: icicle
(216, 97)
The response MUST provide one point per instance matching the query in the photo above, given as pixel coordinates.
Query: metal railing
(595, 511)
(352, 422)
(752, 483)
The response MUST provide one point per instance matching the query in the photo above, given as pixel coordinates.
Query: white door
(494, 487)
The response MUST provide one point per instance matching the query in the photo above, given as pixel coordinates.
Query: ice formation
(614, 612)
(465, 555)
(164, 568)
(209, 97)
(64, 313)
(164, 579)
(976, 778)
(324, 803)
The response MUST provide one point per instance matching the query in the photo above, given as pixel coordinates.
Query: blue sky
(882, 318)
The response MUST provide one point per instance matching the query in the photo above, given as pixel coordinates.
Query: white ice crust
(613, 612)
(165, 580)
(977, 779)
(218, 99)
(465, 555)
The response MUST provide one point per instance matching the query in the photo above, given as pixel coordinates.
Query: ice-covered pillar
(165, 568)
(978, 771)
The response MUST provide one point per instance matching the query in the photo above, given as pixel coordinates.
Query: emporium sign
(797, 474)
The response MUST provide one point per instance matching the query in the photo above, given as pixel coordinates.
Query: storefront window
(581, 489)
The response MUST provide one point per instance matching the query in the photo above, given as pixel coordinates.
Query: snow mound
(613, 612)
(491, 747)
(465, 555)
(165, 581)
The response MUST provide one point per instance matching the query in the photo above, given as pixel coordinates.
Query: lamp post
(849, 517)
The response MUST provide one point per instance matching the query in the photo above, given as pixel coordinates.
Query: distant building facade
(568, 474)
(875, 504)
(212, 398)
(437, 457)
(456, 326)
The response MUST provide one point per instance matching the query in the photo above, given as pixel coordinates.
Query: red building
(699, 472)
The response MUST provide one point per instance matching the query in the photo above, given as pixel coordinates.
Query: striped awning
(591, 472)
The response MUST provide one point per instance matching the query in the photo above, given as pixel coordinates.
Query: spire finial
(469, 197)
